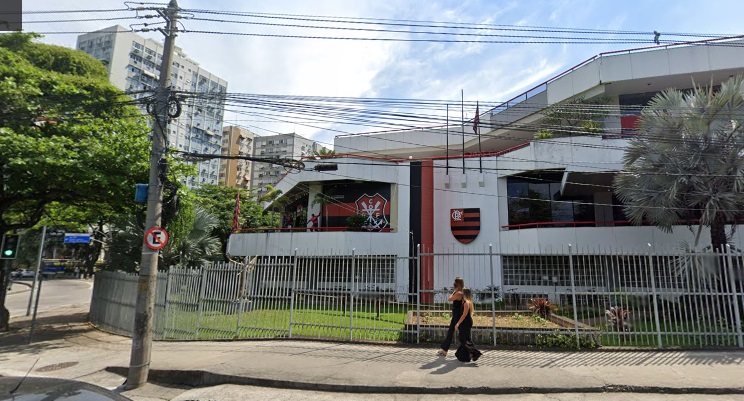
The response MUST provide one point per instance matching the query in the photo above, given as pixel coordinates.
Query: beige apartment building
(236, 141)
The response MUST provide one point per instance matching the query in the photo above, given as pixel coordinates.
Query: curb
(201, 378)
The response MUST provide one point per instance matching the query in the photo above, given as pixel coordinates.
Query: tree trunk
(718, 233)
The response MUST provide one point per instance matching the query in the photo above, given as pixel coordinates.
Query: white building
(134, 62)
(283, 146)
(520, 195)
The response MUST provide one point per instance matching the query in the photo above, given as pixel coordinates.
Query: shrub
(559, 340)
(618, 318)
(542, 307)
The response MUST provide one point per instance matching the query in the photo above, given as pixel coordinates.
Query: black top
(457, 308)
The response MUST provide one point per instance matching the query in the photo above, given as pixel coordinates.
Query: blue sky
(489, 73)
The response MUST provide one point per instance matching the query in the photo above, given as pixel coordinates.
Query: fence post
(573, 297)
(732, 284)
(418, 293)
(241, 297)
(493, 293)
(200, 301)
(166, 308)
(292, 293)
(654, 296)
(351, 295)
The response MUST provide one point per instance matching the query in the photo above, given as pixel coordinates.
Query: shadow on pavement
(49, 330)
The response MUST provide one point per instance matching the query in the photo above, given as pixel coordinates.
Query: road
(55, 293)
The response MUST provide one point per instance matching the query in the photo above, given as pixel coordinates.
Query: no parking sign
(156, 238)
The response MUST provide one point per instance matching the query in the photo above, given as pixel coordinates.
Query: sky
(489, 73)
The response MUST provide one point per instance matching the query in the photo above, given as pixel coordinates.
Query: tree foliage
(687, 161)
(574, 116)
(67, 136)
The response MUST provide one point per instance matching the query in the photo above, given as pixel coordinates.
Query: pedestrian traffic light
(9, 249)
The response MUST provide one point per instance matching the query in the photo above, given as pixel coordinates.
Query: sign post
(77, 238)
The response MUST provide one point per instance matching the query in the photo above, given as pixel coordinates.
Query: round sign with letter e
(156, 238)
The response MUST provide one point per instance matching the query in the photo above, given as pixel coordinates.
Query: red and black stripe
(467, 229)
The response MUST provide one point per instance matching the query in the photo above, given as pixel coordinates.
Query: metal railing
(573, 297)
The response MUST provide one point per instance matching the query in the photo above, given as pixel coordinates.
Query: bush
(542, 307)
(559, 340)
(356, 222)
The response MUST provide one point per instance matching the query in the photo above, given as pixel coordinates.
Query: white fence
(657, 299)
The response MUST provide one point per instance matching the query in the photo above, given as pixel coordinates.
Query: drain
(56, 366)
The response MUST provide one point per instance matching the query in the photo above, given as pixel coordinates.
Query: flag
(476, 120)
(236, 214)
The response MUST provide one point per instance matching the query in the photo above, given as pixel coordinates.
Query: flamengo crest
(373, 208)
(465, 224)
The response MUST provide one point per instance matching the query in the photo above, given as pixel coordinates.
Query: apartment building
(283, 146)
(134, 63)
(236, 141)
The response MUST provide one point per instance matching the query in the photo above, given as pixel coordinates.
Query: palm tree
(687, 162)
(194, 246)
(324, 153)
(197, 246)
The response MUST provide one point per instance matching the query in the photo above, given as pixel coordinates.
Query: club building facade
(517, 194)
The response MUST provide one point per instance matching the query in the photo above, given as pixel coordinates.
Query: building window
(536, 198)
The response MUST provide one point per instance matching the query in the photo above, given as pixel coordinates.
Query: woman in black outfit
(464, 325)
(456, 299)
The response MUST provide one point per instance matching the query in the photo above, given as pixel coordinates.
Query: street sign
(77, 238)
(156, 238)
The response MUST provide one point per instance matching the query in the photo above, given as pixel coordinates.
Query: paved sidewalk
(70, 348)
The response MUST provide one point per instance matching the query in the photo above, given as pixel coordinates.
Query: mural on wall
(344, 199)
(465, 224)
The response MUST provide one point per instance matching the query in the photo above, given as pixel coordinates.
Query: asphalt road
(55, 293)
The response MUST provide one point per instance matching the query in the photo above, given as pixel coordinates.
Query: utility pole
(139, 364)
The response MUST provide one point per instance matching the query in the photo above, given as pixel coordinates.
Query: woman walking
(456, 299)
(464, 325)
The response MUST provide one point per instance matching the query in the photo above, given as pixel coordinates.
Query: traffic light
(9, 250)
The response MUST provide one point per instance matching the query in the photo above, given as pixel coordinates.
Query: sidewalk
(69, 348)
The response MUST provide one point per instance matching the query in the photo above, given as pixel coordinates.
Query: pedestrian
(313, 222)
(467, 350)
(456, 299)
(77, 272)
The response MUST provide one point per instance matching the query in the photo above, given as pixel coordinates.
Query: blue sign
(71, 238)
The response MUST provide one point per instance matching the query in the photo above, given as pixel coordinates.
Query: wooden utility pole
(139, 364)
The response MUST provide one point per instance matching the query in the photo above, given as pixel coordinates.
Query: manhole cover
(56, 366)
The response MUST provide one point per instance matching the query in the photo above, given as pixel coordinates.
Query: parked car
(22, 274)
(44, 388)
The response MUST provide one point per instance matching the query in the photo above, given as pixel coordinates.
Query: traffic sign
(156, 238)
(77, 238)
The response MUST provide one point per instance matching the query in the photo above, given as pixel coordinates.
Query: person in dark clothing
(464, 325)
(456, 299)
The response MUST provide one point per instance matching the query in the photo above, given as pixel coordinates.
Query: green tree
(67, 136)
(574, 116)
(687, 161)
(219, 201)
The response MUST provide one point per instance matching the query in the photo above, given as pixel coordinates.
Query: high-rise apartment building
(286, 146)
(134, 62)
(236, 141)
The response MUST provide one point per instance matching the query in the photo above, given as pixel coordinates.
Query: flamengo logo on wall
(465, 224)
(373, 208)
